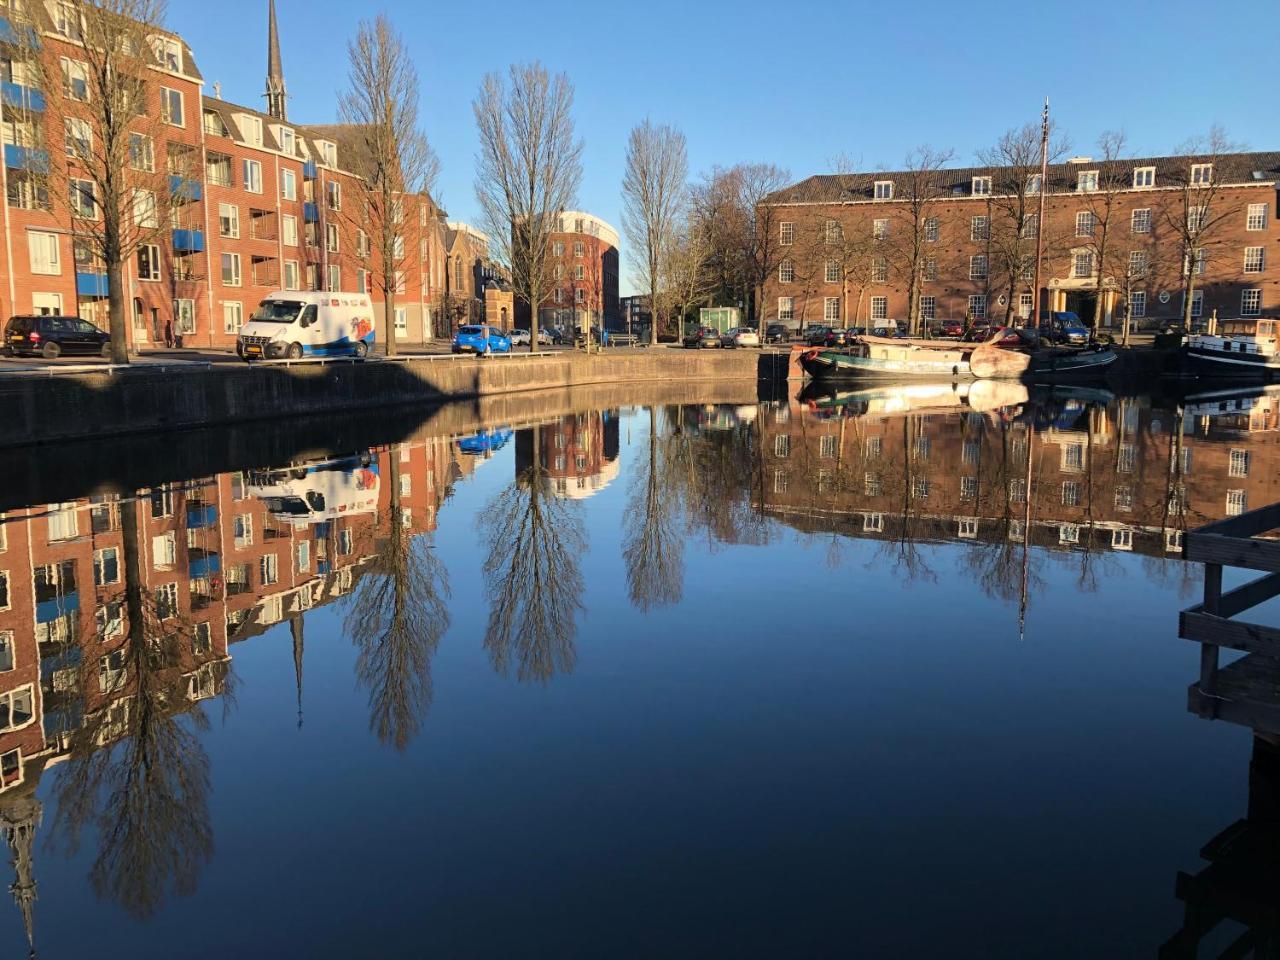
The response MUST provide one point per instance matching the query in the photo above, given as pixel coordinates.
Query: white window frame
(44, 250)
(830, 309)
(979, 228)
(229, 220)
(880, 228)
(879, 308)
(883, 190)
(1087, 181)
(1140, 220)
(232, 316)
(154, 271)
(980, 187)
(978, 267)
(928, 308)
(1086, 223)
(786, 308)
(1201, 174)
(1255, 259)
(978, 306)
(786, 271)
(252, 172)
(832, 274)
(289, 184)
(168, 98)
(232, 260)
(1251, 302)
(291, 276)
(1144, 178)
(1255, 217)
(786, 233)
(1138, 304)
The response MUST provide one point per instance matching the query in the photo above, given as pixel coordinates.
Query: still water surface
(889, 674)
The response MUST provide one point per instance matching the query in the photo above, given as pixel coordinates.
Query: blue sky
(793, 84)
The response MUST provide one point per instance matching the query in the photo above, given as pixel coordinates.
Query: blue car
(486, 441)
(1063, 326)
(481, 340)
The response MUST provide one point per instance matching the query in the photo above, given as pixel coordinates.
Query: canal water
(885, 673)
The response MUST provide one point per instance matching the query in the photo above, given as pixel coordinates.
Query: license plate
(17, 337)
(252, 349)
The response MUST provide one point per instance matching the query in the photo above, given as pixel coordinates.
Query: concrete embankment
(41, 410)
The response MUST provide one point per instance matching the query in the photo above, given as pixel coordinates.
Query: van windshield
(277, 311)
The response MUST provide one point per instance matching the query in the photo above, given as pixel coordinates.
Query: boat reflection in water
(120, 613)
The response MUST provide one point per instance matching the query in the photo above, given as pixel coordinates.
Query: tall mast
(275, 94)
(1044, 184)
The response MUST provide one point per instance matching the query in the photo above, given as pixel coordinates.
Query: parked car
(486, 441)
(1064, 327)
(816, 335)
(949, 328)
(481, 340)
(777, 333)
(839, 337)
(53, 336)
(740, 337)
(520, 338)
(701, 337)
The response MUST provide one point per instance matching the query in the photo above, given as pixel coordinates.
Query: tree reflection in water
(653, 546)
(137, 772)
(396, 617)
(535, 540)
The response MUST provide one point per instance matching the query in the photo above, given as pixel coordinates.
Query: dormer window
(1201, 174)
(252, 128)
(287, 141)
(1034, 183)
(168, 53)
(1087, 181)
(981, 186)
(66, 20)
(213, 125)
(884, 190)
(328, 152)
(1144, 177)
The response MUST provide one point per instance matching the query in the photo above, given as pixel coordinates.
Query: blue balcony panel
(184, 190)
(198, 517)
(22, 97)
(24, 34)
(188, 241)
(48, 611)
(205, 566)
(92, 284)
(26, 158)
(310, 213)
(309, 170)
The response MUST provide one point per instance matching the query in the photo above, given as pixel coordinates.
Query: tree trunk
(117, 320)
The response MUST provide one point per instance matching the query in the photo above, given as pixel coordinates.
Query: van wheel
(362, 350)
(295, 351)
(51, 351)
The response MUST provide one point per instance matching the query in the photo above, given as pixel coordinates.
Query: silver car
(740, 337)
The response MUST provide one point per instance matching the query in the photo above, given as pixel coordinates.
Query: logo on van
(361, 327)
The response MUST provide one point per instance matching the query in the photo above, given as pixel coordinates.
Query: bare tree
(1014, 222)
(527, 173)
(388, 153)
(915, 233)
(763, 245)
(654, 193)
(107, 178)
(653, 547)
(686, 281)
(1203, 210)
(723, 225)
(1103, 203)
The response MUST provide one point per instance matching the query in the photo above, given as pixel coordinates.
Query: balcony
(204, 564)
(92, 284)
(309, 170)
(21, 97)
(184, 190)
(201, 515)
(310, 213)
(47, 611)
(26, 158)
(23, 33)
(188, 241)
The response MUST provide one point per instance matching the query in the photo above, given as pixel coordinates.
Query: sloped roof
(854, 187)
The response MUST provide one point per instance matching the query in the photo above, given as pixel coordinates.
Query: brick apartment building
(259, 203)
(585, 269)
(477, 289)
(578, 452)
(845, 243)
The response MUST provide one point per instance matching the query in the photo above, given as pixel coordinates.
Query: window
(1140, 221)
(242, 530)
(1200, 259)
(331, 237)
(967, 528)
(1254, 259)
(872, 447)
(78, 137)
(231, 269)
(929, 270)
(362, 280)
(164, 550)
(981, 186)
(144, 209)
(63, 522)
(1237, 502)
(1250, 303)
(579, 272)
(166, 601)
(142, 152)
(171, 107)
(362, 249)
(831, 309)
(557, 249)
(253, 176)
(269, 569)
(1031, 226)
(106, 566)
(1072, 457)
(1144, 177)
(978, 306)
(5, 600)
(169, 52)
(1034, 182)
(1139, 262)
(879, 229)
(978, 267)
(1017, 491)
(16, 708)
(1138, 304)
(833, 232)
(1256, 218)
(833, 271)
(289, 229)
(979, 228)
(920, 488)
(75, 80)
(782, 445)
(1201, 174)
(928, 308)
(402, 331)
(289, 184)
(303, 556)
(1082, 264)
(579, 296)
(148, 262)
(1195, 219)
(328, 152)
(228, 220)
(43, 248)
(1239, 464)
(884, 190)
(579, 250)
(217, 169)
(786, 271)
(333, 191)
(827, 446)
(780, 481)
(335, 279)
(879, 308)
(232, 316)
(786, 233)
(968, 488)
(1087, 181)
(1197, 302)
(879, 270)
(83, 199)
(786, 308)
(931, 230)
(873, 523)
(1024, 306)
(1085, 221)
(291, 275)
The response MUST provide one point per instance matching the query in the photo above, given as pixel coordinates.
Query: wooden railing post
(1212, 596)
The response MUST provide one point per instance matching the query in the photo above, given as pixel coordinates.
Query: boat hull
(1222, 363)
(832, 365)
(1050, 366)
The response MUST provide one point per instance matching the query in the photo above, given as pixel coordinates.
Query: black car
(816, 336)
(52, 336)
(702, 337)
(777, 333)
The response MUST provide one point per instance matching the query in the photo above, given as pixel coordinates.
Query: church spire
(275, 94)
(18, 823)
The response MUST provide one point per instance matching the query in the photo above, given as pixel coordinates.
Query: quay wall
(43, 408)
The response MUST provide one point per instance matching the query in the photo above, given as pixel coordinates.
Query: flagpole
(1044, 183)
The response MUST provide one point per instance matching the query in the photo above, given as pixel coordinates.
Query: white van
(322, 490)
(294, 324)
